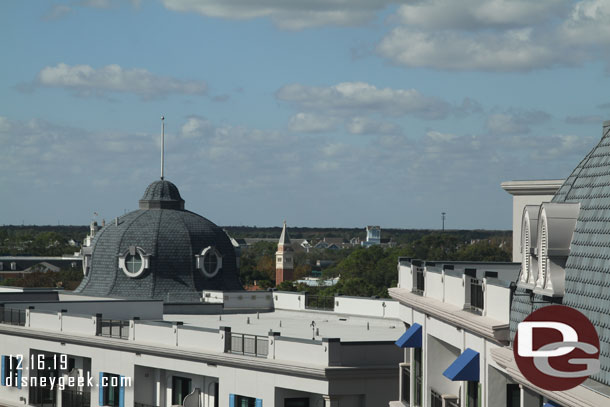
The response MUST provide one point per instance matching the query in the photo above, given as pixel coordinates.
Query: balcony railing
(113, 328)
(249, 345)
(476, 295)
(12, 316)
(324, 303)
(435, 399)
(419, 281)
(75, 398)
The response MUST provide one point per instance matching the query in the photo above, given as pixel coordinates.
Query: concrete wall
(249, 300)
(382, 308)
(434, 285)
(496, 300)
(109, 309)
(289, 300)
(440, 356)
(455, 294)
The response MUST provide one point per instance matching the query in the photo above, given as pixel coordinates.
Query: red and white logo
(556, 348)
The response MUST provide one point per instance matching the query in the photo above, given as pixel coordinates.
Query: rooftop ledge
(533, 187)
(580, 396)
(485, 326)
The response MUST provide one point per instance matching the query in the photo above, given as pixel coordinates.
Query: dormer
(529, 239)
(556, 223)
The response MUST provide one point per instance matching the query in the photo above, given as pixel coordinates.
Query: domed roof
(168, 246)
(161, 194)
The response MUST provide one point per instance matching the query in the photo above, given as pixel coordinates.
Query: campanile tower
(284, 258)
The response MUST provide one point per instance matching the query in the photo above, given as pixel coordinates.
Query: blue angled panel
(121, 392)
(19, 362)
(231, 400)
(465, 367)
(259, 403)
(101, 389)
(2, 367)
(411, 338)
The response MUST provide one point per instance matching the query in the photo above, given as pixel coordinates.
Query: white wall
(289, 300)
(382, 308)
(455, 293)
(496, 303)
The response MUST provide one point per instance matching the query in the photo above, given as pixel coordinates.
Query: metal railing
(420, 282)
(12, 316)
(476, 295)
(142, 405)
(75, 398)
(435, 399)
(406, 385)
(324, 303)
(452, 403)
(113, 328)
(249, 345)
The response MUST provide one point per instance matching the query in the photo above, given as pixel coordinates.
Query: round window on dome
(133, 262)
(209, 262)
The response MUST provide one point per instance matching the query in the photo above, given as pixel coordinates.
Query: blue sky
(324, 113)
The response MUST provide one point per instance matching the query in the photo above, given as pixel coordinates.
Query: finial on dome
(162, 143)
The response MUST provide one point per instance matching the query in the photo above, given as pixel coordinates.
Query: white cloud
(365, 125)
(515, 122)
(289, 15)
(86, 80)
(351, 98)
(476, 14)
(57, 11)
(311, 123)
(498, 35)
(269, 174)
(586, 119)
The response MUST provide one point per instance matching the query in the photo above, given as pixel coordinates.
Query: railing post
(272, 339)
(225, 337)
(97, 320)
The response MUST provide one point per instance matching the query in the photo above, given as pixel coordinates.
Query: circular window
(210, 262)
(133, 265)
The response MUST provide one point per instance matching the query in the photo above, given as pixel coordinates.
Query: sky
(335, 113)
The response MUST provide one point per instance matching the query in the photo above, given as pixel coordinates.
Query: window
(473, 394)
(243, 401)
(133, 262)
(181, 387)
(209, 262)
(418, 377)
(406, 385)
(513, 395)
(297, 402)
(112, 392)
(11, 371)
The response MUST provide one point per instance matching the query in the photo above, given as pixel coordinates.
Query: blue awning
(550, 404)
(411, 338)
(465, 367)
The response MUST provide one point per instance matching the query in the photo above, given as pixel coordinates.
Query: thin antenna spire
(162, 144)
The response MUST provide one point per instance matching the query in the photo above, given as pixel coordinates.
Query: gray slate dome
(170, 244)
(162, 194)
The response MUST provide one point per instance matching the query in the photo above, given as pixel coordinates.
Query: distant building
(373, 236)
(284, 258)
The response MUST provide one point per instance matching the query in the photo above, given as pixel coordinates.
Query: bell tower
(284, 258)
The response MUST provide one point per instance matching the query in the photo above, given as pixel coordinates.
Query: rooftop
(297, 324)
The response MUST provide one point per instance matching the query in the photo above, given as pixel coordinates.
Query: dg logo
(556, 348)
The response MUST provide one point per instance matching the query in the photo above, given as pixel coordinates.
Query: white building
(461, 318)
(160, 319)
